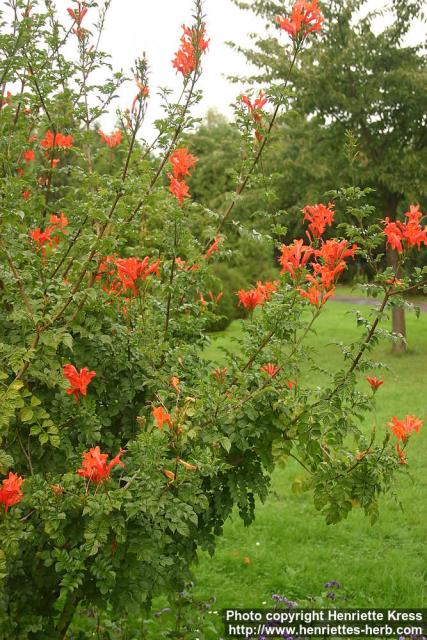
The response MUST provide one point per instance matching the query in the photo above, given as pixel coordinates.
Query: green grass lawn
(290, 548)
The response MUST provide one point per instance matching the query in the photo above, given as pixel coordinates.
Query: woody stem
(171, 146)
(242, 185)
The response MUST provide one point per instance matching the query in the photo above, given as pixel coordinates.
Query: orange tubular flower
(10, 491)
(402, 429)
(113, 140)
(215, 299)
(410, 232)
(181, 162)
(95, 466)
(193, 42)
(219, 374)
(258, 104)
(42, 238)
(79, 14)
(57, 489)
(333, 255)
(58, 141)
(375, 383)
(130, 269)
(401, 454)
(305, 18)
(213, 247)
(143, 92)
(266, 289)
(59, 222)
(122, 274)
(294, 257)
(317, 294)
(250, 299)
(161, 416)
(169, 474)
(179, 189)
(7, 102)
(270, 369)
(78, 380)
(29, 155)
(319, 216)
(257, 296)
(256, 110)
(393, 234)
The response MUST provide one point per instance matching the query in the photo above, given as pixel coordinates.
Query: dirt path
(370, 301)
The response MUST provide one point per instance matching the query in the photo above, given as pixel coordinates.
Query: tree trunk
(398, 313)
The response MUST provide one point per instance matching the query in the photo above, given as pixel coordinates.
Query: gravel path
(369, 301)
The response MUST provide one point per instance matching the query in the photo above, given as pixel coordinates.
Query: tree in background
(357, 82)
(219, 146)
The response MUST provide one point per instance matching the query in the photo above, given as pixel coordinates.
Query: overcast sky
(154, 26)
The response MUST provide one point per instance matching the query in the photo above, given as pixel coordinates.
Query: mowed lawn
(290, 550)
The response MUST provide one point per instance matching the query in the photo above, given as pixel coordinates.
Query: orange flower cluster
(7, 102)
(113, 140)
(258, 296)
(402, 429)
(270, 369)
(256, 110)
(78, 380)
(10, 491)
(332, 263)
(77, 16)
(193, 44)
(305, 18)
(181, 162)
(328, 260)
(29, 155)
(294, 257)
(183, 266)
(120, 275)
(375, 383)
(95, 466)
(42, 238)
(319, 216)
(409, 233)
(161, 416)
(56, 141)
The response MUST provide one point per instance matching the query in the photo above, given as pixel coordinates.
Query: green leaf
(26, 414)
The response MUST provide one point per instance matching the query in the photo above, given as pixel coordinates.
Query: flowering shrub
(121, 449)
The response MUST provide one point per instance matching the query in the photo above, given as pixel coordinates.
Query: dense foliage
(122, 450)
